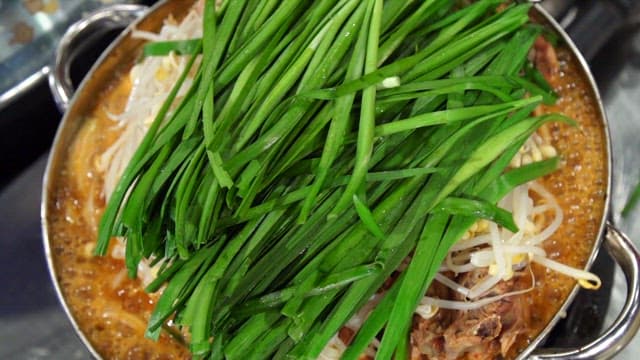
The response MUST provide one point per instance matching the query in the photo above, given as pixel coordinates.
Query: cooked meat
(545, 58)
(346, 334)
(485, 333)
(427, 335)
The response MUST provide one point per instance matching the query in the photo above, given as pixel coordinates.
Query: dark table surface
(34, 325)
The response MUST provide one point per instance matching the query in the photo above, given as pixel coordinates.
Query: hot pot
(124, 51)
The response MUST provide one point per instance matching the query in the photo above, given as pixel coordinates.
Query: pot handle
(627, 323)
(78, 36)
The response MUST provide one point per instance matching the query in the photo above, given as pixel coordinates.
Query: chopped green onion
(179, 47)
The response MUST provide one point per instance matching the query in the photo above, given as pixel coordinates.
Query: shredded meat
(485, 333)
(544, 58)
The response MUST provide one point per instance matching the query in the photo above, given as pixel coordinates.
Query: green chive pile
(320, 144)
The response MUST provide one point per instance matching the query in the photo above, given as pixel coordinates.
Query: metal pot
(123, 51)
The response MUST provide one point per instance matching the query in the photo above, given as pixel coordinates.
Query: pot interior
(72, 205)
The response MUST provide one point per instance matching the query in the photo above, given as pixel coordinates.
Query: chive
(205, 89)
(132, 215)
(180, 47)
(515, 17)
(208, 220)
(468, 82)
(252, 46)
(519, 176)
(367, 217)
(449, 116)
(340, 119)
(238, 346)
(495, 145)
(356, 297)
(270, 341)
(366, 126)
(403, 349)
(403, 309)
(478, 208)
(220, 173)
(332, 282)
(448, 91)
(333, 47)
(217, 352)
(166, 304)
(374, 323)
(277, 93)
(425, 11)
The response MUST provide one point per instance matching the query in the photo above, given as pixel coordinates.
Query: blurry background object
(29, 33)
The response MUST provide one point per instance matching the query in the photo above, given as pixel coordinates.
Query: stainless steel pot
(123, 51)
